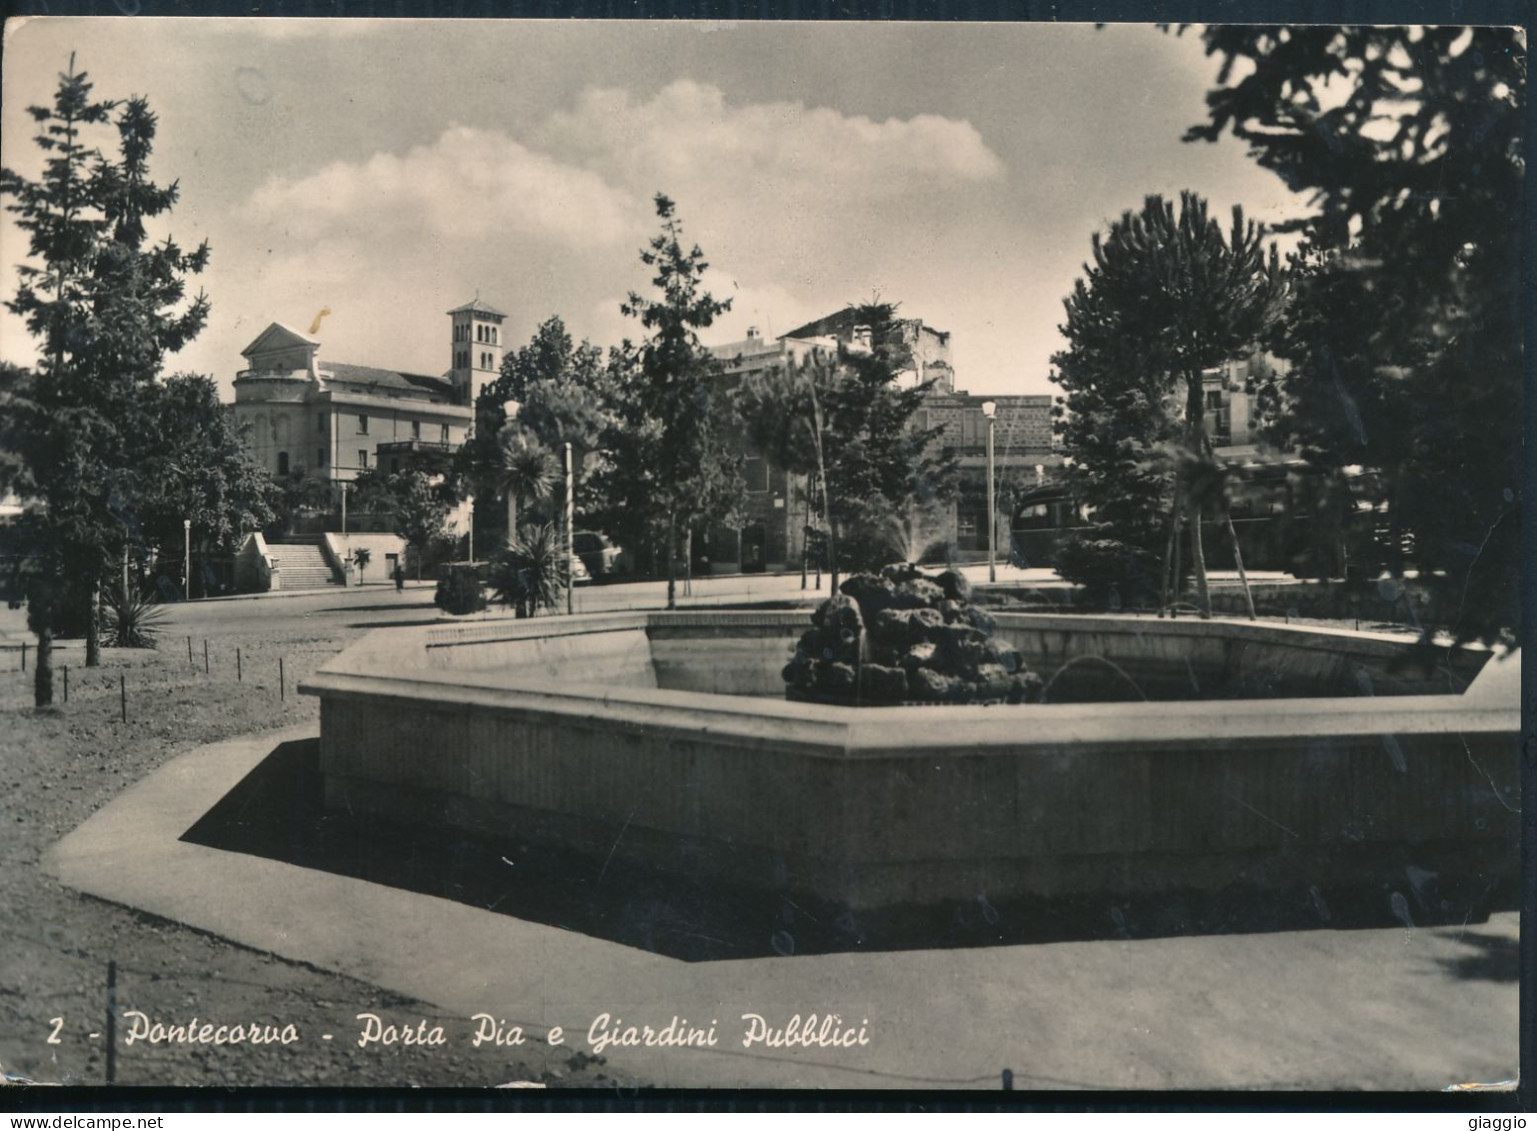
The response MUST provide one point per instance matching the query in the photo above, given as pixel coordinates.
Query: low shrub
(459, 591)
(1113, 573)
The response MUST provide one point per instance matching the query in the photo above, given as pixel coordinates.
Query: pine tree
(673, 460)
(1167, 296)
(103, 304)
(1405, 334)
(64, 431)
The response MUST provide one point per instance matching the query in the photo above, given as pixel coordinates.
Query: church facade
(334, 419)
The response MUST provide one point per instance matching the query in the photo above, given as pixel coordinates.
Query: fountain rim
(917, 731)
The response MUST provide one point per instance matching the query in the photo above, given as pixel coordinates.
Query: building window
(320, 457)
(363, 459)
(443, 434)
(416, 429)
(756, 473)
(1214, 398)
(282, 463)
(973, 428)
(362, 425)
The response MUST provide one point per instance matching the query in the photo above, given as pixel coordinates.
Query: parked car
(601, 557)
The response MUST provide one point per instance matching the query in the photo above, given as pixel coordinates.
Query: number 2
(53, 1037)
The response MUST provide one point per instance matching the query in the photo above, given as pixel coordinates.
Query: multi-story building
(777, 501)
(334, 419)
(1231, 388)
(777, 505)
(1024, 455)
(930, 348)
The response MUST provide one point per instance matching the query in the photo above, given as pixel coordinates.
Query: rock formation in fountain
(903, 637)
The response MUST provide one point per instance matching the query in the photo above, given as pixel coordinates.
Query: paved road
(379, 605)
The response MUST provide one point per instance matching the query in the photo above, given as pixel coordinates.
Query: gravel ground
(57, 767)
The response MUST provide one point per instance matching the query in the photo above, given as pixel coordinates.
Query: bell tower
(476, 336)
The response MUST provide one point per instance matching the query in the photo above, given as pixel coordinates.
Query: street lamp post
(186, 565)
(570, 536)
(990, 410)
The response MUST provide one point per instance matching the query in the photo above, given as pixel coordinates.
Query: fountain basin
(662, 739)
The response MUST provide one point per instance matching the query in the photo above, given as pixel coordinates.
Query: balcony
(431, 456)
(416, 447)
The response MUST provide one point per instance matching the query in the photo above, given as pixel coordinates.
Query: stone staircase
(302, 564)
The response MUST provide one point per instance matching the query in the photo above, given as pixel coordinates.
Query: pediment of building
(278, 337)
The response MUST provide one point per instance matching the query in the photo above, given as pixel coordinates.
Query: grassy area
(57, 767)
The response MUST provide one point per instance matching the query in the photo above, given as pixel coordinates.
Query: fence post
(282, 683)
(189, 649)
(122, 693)
(112, 1021)
(238, 676)
(66, 683)
(205, 656)
(23, 655)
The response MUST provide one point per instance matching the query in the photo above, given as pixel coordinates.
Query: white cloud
(688, 134)
(782, 196)
(469, 183)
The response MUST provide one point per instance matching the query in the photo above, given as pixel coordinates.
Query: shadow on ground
(277, 812)
(395, 623)
(392, 607)
(1495, 958)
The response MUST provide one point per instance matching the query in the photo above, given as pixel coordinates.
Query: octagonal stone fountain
(1234, 753)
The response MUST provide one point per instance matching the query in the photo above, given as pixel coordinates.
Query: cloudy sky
(391, 170)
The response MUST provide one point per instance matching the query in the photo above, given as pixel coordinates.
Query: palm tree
(362, 556)
(1206, 484)
(525, 472)
(528, 573)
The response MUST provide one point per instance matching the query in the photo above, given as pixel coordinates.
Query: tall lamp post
(990, 410)
(186, 565)
(570, 535)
